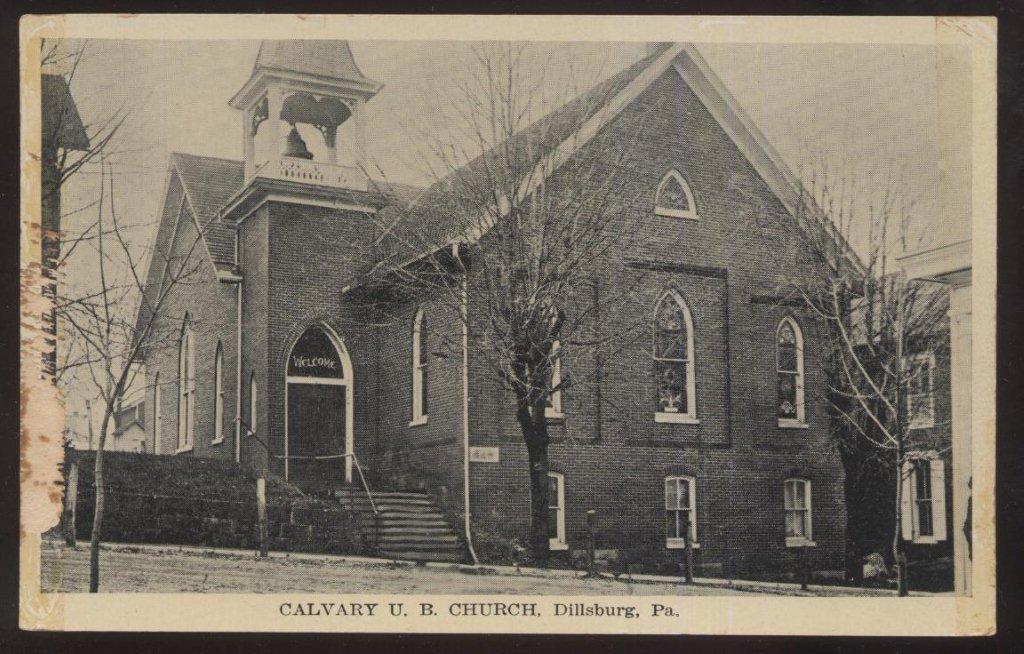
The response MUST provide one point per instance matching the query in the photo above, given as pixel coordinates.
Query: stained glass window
(790, 371)
(674, 198)
(673, 356)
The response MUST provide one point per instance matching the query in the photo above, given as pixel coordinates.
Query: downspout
(238, 361)
(464, 309)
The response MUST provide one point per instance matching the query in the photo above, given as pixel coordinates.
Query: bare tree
(108, 328)
(106, 320)
(68, 145)
(883, 330)
(513, 241)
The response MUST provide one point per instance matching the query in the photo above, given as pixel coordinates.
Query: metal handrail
(362, 478)
(250, 432)
(324, 457)
(369, 496)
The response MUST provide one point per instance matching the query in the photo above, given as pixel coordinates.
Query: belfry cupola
(302, 115)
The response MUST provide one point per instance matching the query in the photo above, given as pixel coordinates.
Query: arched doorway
(318, 411)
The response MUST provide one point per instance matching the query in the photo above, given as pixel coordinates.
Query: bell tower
(302, 115)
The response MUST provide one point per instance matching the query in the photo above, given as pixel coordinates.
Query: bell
(296, 147)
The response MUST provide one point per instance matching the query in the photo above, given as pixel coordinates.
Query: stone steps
(411, 527)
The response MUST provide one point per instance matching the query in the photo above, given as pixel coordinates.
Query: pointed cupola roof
(319, 58)
(327, 64)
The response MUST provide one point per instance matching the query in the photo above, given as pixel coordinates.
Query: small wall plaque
(483, 454)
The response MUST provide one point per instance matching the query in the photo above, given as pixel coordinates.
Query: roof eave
(253, 193)
(364, 88)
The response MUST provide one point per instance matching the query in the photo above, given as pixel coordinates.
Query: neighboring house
(711, 418)
(62, 132)
(129, 433)
(926, 488)
(927, 525)
(83, 415)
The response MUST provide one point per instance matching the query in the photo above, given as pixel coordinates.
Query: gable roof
(421, 220)
(62, 124)
(209, 182)
(552, 140)
(438, 217)
(128, 416)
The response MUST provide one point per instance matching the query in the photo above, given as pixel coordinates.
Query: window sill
(217, 441)
(416, 422)
(554, 416)
(926, 540)
(792, 423)
(677, 544)
(800, 542)
(676, 213)
(922, 425)
(187, 448)
(557, 547)
(676, 418)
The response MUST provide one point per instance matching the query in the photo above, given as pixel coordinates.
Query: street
(161, 569)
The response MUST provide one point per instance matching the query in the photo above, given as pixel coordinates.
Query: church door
(318, 392)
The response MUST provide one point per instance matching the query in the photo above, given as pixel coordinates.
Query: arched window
(157, 414)
(673, 361)
(789, 365)
(420, 407)
(218, 395)
(674, 198)
(186, 387)
(253, 411)
(554, 400)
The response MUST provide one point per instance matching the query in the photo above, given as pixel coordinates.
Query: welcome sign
(314, 355)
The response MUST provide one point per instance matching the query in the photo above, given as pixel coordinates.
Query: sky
(870, 110)
(869, 107)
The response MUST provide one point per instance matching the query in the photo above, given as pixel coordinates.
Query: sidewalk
(171, 568)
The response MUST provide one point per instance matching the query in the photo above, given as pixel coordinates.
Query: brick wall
(253, 262)
(728, 266)
(210, 306)
(425, 456)
(314, 253)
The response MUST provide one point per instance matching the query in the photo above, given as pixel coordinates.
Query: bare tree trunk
(71, 503)
(97, 518)
(899, 555)
(536, 438)
(539, 544)
(903, 586)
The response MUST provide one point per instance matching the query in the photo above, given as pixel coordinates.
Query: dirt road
(159, 570)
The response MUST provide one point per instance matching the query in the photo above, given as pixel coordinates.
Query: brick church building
(725, 429)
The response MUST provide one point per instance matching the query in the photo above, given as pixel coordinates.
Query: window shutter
(907, 500)
(938, 498)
